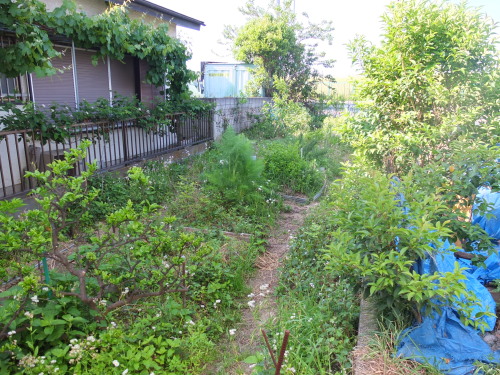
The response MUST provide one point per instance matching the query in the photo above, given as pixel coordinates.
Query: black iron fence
(114, 145)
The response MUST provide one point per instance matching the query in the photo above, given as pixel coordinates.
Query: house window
(11, 88)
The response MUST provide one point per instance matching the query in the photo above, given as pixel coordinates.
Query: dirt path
(247, 338)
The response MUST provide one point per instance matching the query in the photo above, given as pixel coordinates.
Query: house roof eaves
(158, 11)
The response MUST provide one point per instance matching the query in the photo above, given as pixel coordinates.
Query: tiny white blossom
(125, 372)
(34, 299)
(116, 363)
(232, 331)
(251, 303)
(10, 333)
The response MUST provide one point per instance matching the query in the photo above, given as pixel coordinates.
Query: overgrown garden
(133, 274)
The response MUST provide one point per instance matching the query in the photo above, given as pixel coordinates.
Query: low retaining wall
(240, 113)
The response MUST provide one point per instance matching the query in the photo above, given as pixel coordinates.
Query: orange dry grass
(369, 363)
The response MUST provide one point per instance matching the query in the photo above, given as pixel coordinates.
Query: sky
(350, 17)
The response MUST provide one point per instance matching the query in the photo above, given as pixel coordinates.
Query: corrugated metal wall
(226, 80)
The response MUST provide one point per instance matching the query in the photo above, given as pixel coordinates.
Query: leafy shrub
(284, 165)
(115, 190)
(455, 176)
(378, 241)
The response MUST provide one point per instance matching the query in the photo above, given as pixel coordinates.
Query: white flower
(53, 361)
(28, 315)
(251, 303)
(217, 301)
(10, 333)
(232, 331)
(116, 363)
(103, 302)
(34, 299)
(191, 322)
(264, 287)
(56, 369)
(125, 372)
(45, 289)
(251, 295)
(113, 324)
(311, 285)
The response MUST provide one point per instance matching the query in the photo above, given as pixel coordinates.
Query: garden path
(247, 339)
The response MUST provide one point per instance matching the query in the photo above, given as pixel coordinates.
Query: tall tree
(434, 78)
(284, 49)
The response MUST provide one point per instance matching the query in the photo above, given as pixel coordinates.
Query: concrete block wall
(239, 113)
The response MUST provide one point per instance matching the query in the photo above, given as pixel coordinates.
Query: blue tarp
(442, 339)
(490, 220)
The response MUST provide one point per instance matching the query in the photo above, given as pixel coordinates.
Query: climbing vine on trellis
(111, 33)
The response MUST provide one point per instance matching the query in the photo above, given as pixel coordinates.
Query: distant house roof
(155, 10)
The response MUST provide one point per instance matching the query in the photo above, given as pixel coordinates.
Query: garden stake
(183, 284)
(46, 273)
(269, 347)
(282, 353)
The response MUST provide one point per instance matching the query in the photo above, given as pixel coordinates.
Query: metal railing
(114, 144)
